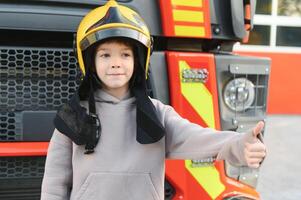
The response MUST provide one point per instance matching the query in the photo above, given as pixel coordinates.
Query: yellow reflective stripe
(199, 97)
(208, 178)
(201, 100)
(193, 3)
(189, 31)
(188, 16)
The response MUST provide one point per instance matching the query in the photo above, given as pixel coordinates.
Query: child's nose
(116, 63)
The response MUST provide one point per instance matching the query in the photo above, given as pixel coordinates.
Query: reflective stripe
(188, 16)
(201, 100)
(189, 31)
(208, 177)
(199, 97)
(193, 3)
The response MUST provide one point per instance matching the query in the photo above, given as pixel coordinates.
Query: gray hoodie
(123, 169)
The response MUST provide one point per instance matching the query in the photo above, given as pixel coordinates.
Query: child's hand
(255, 150)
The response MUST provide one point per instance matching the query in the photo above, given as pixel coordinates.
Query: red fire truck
(193, 68)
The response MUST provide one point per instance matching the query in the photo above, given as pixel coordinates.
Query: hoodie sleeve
(186, 140)
(57, 181)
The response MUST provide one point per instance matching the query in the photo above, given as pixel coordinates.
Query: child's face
(114, 63)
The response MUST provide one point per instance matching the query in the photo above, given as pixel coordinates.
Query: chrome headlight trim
(239, 94)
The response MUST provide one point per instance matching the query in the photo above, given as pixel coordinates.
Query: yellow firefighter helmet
(109, 21)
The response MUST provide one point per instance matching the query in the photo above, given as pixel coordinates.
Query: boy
(117, 149)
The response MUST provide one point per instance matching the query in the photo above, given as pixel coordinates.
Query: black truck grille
(21, 177)
(9, 126)
(33, 79)
(21, 167)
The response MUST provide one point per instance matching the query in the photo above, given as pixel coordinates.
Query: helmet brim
(103, 34)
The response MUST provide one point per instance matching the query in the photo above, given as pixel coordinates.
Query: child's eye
(104, 55)
(126, 55)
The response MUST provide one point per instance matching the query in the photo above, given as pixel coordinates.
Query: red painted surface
(285, 88)
(23, 149)
(168, 23)
(185, 184)
(194, 60)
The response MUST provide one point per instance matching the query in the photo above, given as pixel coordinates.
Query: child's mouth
(115, 74)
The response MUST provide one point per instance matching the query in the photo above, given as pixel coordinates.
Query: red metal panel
(23, 149)
(186, 185)
(178, 101)
(168, 22)
(175, 170)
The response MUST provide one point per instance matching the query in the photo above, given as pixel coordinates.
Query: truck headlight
(239, 94)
